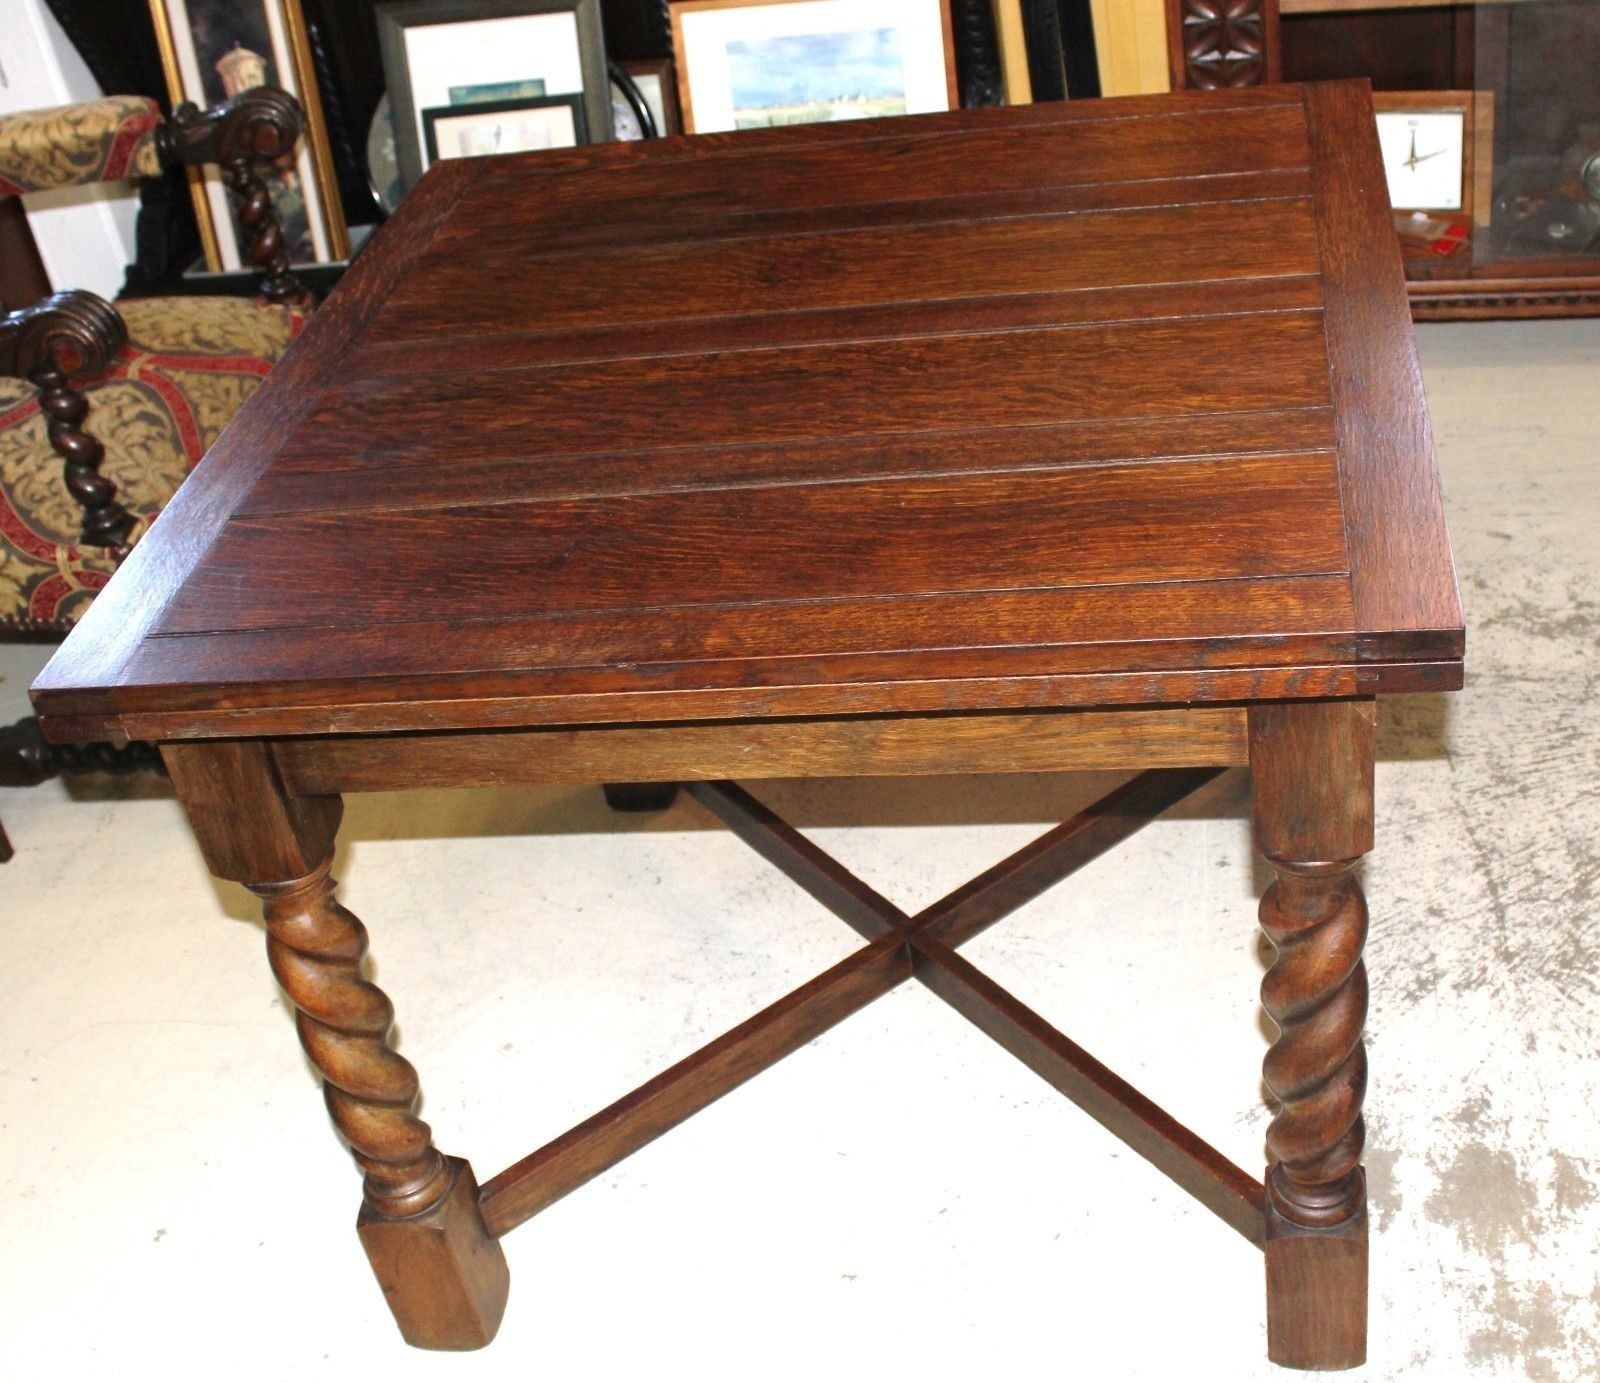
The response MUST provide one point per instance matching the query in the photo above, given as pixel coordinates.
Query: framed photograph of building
(461, 53)
(745, 64)
(214, 49)
(503, 127)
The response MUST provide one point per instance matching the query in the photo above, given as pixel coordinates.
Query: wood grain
(781, 392)
(841, 266)
(901, 745)
(992, 409)
(1402, 573)
(1312, 801)
(1185, 521)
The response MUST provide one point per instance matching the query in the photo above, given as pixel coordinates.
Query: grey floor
(899, 1199)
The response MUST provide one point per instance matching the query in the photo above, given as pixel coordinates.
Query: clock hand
(1423, 158)
(1412, 161)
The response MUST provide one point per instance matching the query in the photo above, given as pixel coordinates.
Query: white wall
(85, 234)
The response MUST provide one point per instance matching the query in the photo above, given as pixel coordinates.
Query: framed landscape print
(479, 128)
(214, 49)
(745, 64)
(460, 53)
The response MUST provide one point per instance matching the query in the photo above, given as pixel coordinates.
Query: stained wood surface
(1088, 404)
(858, 746)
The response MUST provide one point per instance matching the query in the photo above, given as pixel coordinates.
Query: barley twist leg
(442, 1272)
(315, 947)
(1311, 789)
(1316, 992)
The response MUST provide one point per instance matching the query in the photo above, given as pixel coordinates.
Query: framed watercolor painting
(214, 49)
(444, 53)
(746, 64)
(479, 128)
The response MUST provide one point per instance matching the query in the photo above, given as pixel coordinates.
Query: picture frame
(439, 53)
(744, 64)
(520, 125)
(1011, 38)
(657, 80)
(1398, 112)
(213, 49)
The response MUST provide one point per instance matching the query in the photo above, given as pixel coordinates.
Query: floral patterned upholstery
(68, 146)
(188, 366)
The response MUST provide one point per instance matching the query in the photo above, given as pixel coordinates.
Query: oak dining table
(1070, 436)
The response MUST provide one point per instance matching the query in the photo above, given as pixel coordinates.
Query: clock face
(1423, 155)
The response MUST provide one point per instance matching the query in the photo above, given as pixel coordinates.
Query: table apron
(864, 746)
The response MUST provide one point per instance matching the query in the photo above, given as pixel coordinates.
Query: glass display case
(1489, 118)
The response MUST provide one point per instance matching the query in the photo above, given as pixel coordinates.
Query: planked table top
(1098, 403)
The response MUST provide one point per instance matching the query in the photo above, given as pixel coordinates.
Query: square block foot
(443, 1274)
(1317, 1293)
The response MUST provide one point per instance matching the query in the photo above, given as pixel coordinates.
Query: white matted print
(514, 48)
(503, 127)
(745, 66)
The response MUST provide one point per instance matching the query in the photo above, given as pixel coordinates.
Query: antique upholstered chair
(104, 409)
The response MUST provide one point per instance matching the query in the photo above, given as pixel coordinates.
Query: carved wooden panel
(1223, 43)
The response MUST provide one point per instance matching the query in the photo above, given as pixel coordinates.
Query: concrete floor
(899, 1199)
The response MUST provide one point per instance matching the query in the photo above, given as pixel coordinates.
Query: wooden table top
(1064, 405)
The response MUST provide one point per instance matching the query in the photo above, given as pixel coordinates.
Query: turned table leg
(1311, 771)
(442, 1272)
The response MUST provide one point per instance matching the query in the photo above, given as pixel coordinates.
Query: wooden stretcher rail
(899, 947)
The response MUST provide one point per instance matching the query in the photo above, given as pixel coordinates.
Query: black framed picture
(516, 126)
(440, 54)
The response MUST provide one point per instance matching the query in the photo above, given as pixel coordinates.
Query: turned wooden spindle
(1316, 992)
(1311, 785)
(106, 522)
(315, 947)
(268, 252)
(246, 134)
(441, 1271)
(66, 337)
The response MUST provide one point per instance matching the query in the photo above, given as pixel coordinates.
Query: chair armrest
(70, 146)
(246, 135)
(77, 333)
(125, 137)
(263, 124)
(57, 345)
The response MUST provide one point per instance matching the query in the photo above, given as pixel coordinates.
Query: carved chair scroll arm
(118, 137)
(67, 337)
(246, 134)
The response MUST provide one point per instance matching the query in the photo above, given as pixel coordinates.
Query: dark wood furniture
(965, 442)
(1538, 255)
(60, 342)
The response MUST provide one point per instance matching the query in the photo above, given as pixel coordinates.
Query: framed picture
(214, 49)
(1012, 40)
(1437, 151)
(658, 84)
(480, 128)
(744, 64)
(443, 53)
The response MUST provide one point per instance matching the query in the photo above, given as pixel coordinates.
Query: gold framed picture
(748, 64)
(214, 49)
